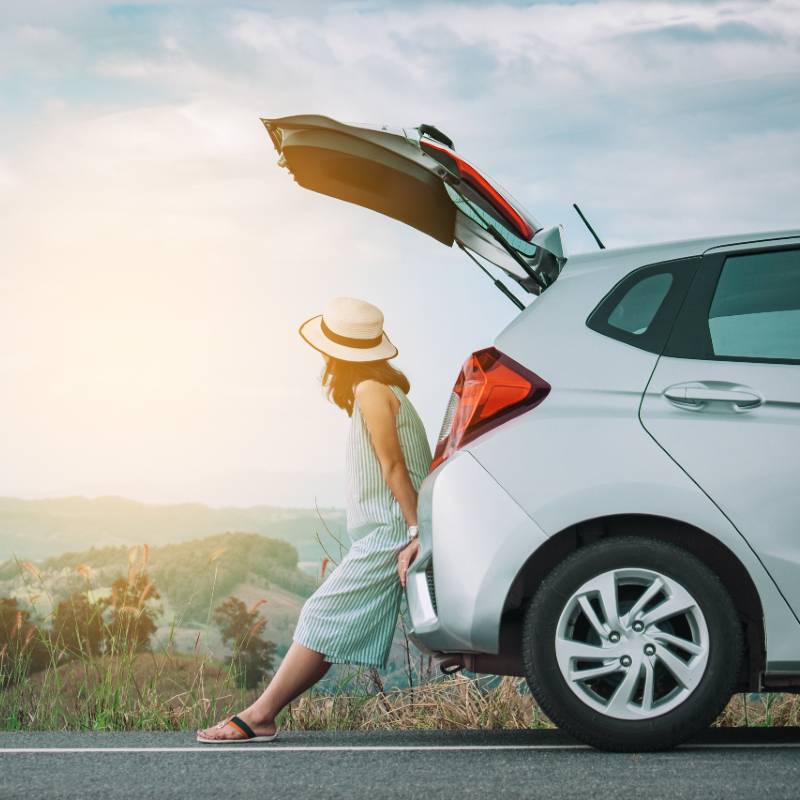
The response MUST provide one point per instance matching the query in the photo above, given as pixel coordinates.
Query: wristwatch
(413, 532)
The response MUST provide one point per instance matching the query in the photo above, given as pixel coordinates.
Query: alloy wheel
(632, 643)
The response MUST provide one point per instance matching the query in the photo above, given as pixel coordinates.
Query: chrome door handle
(697, 394)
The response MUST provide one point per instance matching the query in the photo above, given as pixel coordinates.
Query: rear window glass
(484, 219)
(639, 305)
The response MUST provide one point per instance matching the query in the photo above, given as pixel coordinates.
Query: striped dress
(352, 616)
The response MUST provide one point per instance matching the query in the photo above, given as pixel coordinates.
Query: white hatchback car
(613, 510)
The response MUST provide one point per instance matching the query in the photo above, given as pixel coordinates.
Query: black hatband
(349, 341)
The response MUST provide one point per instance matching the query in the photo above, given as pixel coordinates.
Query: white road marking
(245, 748)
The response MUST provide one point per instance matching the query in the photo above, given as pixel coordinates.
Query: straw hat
(350, 330)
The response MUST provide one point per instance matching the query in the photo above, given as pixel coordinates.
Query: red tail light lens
(490, 389)
(474, 178)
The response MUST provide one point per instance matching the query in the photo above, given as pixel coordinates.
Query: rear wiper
(531, 273)
(526, 268)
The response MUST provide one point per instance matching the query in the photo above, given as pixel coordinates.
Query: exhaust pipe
(485, 663)
(507, 662)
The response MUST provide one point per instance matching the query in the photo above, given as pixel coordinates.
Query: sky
(156, 262)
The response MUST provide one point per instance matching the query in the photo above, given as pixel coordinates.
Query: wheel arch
(703, 545)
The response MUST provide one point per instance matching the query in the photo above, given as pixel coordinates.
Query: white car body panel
(580, 455)
(483, 530)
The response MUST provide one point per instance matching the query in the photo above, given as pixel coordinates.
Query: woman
(351, 617)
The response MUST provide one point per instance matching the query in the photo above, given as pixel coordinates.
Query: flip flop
(248, 734)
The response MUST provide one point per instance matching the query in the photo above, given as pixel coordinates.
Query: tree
(22, 649)
(242, 628)
(78, 625)
(132, 622)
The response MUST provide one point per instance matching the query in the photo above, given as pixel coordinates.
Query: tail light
(491, 388)
(481, 186)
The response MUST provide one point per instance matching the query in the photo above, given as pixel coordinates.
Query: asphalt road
(727, 764)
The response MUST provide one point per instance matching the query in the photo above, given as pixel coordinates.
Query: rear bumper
(474, 538)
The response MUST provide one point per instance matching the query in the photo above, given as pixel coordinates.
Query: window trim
(691, 325)
(654, 339)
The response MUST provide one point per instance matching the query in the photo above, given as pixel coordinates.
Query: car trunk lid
(414, 175)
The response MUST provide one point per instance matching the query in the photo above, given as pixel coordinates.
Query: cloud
(695, 34)
(156, 262)
(29, 51)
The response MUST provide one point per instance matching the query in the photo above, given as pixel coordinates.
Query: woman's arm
(379, 408)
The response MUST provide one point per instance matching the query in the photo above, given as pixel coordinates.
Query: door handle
(696, 395)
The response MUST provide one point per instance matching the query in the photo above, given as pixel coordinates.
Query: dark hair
(340, 379)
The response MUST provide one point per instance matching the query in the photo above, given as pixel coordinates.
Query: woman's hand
(404, 558)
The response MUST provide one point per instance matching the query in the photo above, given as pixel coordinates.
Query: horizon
(137, 501)
(42, 528)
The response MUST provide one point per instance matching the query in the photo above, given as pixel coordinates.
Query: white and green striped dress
(352, 616)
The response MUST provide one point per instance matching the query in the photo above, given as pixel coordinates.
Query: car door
(724, 398)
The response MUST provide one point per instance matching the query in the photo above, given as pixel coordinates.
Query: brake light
(474, 178)
(491, 388)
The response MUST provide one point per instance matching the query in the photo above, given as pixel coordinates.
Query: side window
(755, 311)
(638, 306)
(641, 308)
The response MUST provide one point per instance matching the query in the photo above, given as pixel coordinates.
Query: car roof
(666, 251)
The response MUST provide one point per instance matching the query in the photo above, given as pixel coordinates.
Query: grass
(126, 688)
(447, 703)
(772, 710)
(143, 691)
(168, 690)
(466, 703)
(172, 691)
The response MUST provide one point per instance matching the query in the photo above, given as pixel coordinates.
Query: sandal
(248, 734)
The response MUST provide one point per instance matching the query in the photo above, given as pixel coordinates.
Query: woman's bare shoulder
(374, 393)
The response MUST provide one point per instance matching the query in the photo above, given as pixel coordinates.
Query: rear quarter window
(636, 310)
(641, 309)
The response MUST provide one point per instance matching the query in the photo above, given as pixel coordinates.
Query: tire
(631, 706)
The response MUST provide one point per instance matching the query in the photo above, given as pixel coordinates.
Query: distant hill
(37, 529)
(192, 577)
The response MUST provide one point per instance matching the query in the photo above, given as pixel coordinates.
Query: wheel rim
(632, 643)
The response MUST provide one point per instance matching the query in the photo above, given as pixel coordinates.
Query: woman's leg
(300, 669)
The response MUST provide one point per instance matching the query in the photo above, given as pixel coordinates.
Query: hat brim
(311, 331)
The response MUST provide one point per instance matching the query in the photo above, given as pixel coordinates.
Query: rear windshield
(483, 218)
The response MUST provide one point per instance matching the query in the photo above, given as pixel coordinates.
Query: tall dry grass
(771, 710)
(169, 691)
(147, 691)
(446, 703)
(467, 703)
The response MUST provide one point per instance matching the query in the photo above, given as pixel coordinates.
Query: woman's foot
(228, 730)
